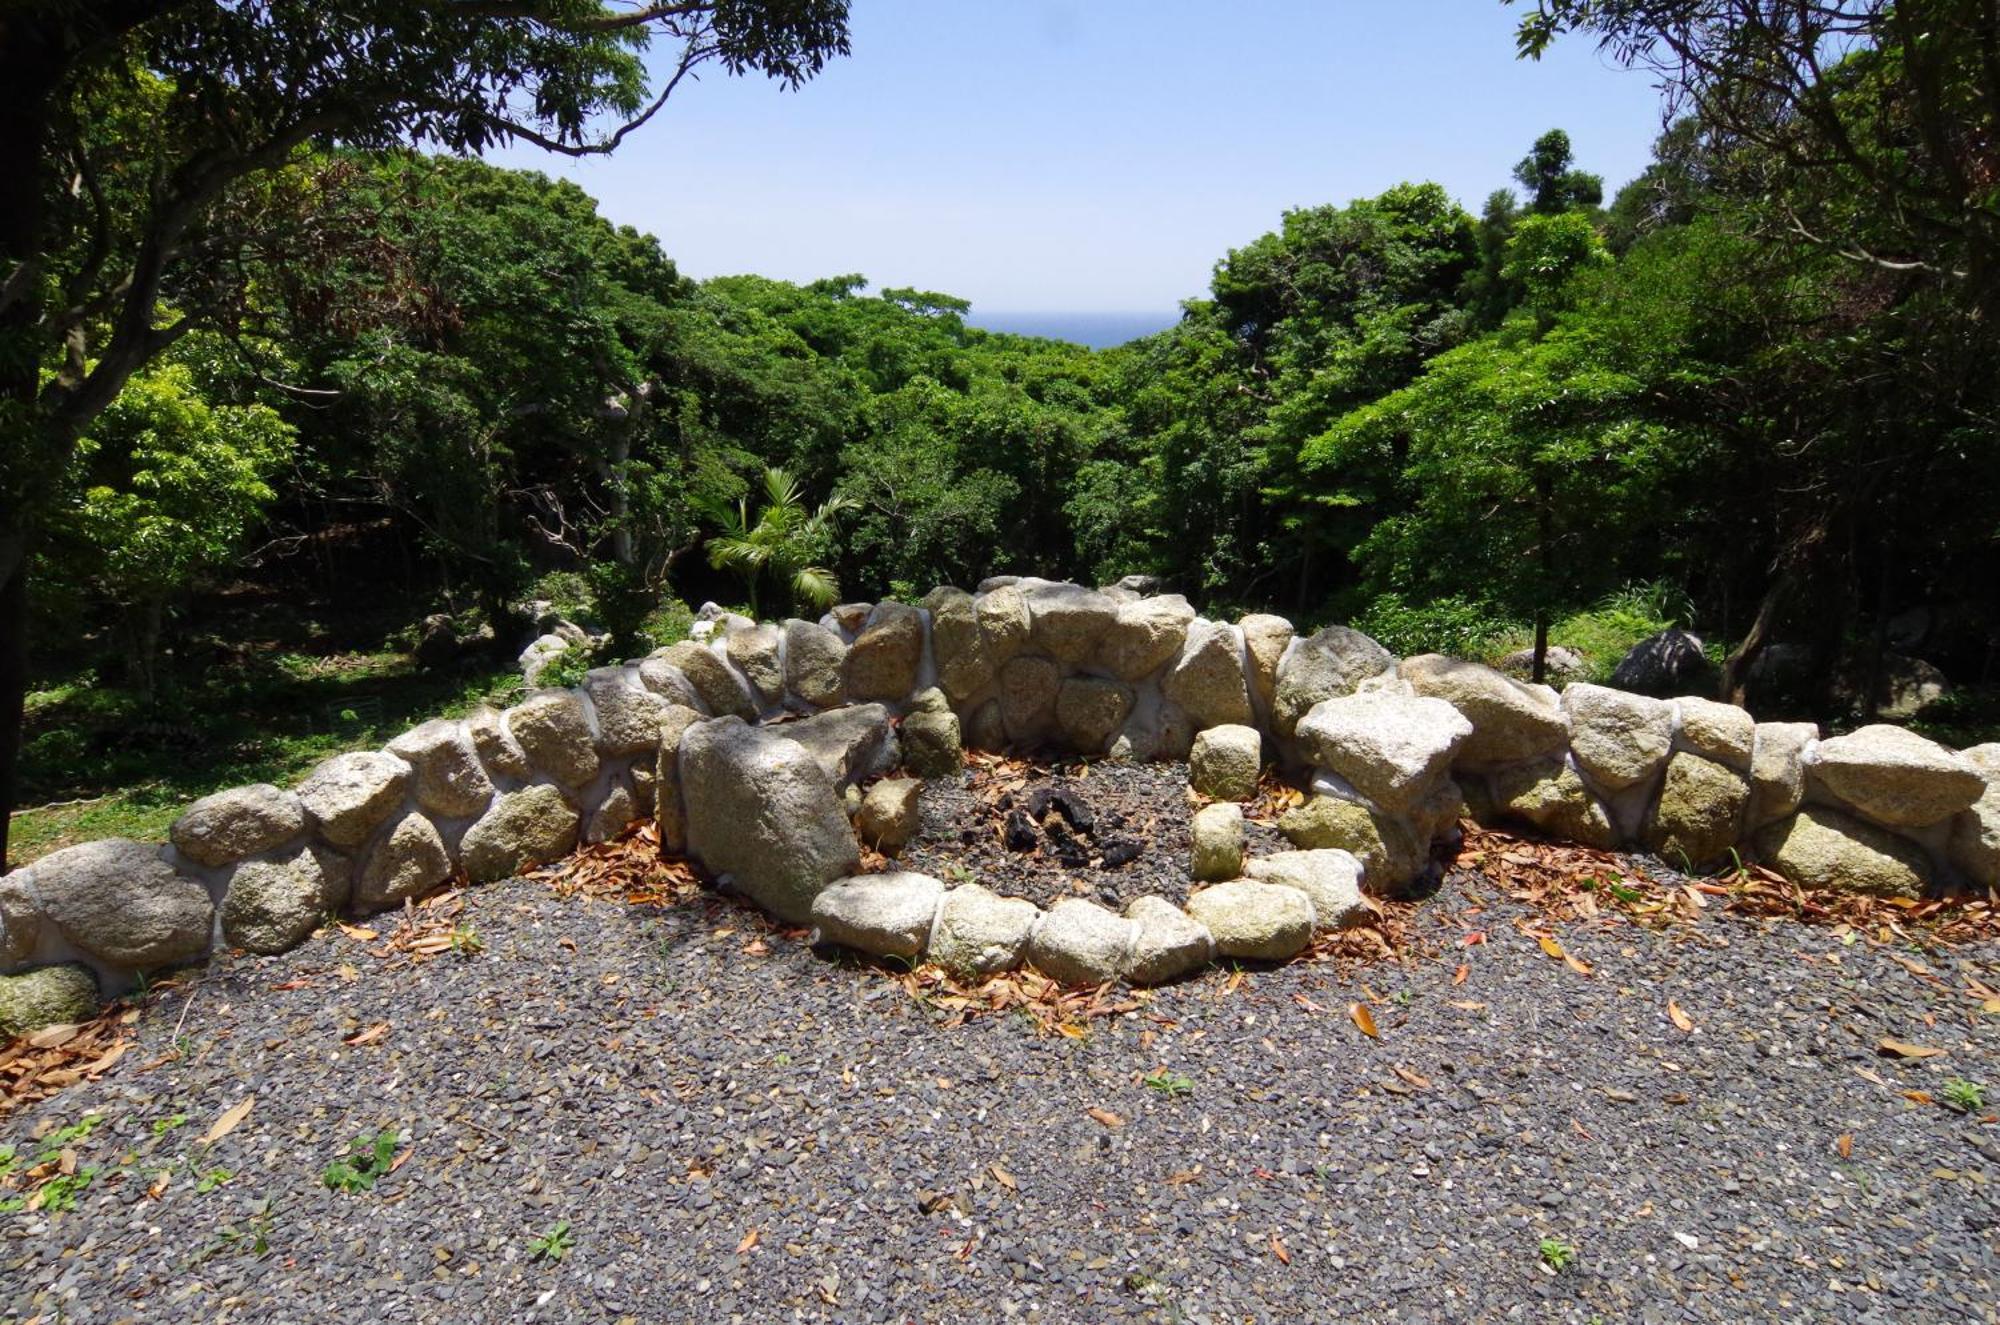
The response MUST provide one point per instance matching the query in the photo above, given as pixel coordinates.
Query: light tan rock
(888, 915)
(1144, 636)
(618, 811)
(1395, 749)
(1170, 942)
(1778, 771)
(1331, 878)
(1721, 732)
(349, 796)
(981, 933)
(1619, 739)
(754, 650)
(669, 807)
(890, 814)
(1028, 688)
(1699, 815)
(1510, 721)
(61, 995)
(814, 658)
(1089, 712)
(1080, 943)
(1391, 856)
(1255, 921)
(1217, 852)
(240, 822)
(553, 729)
(117, 901)
(1226, 762)
(670, 683)
(628, 714)
(1547, 794)
(275, 905)
(525, 828)
(882, 664)
(1207, 678)
(1894, 776)
(1068, 620)
(497, 750)
(1827, 849)
(451, 782)
(721, 690)
(410, 861)
(1329, 664)
(1265, 639)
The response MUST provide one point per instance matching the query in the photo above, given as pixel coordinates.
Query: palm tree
(780, 542)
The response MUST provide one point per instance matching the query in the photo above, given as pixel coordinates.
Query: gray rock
(1395, 749)
(497, 751)
(985, 729)
(848, 618)
(1170, 942)
(1331, 878)
(1028, 688)
(762, 810)
(46, 996)
(932, 747)
(525, 828)
(852, 744)
(981, 933)
(1778, 771)
(1974, 848)
(618, 811)
(1217, 852)
(1558, 664)
(450, 781)
(1068, 620)
(814, 657)
(1894, 776)
(1510, 721)
(957, 645)
(669, 807)
(1265, 639)
(349, 796)
(1722, 732)
(1089, 712)
(408, 861)
(1254, 921)
(553, 728)
(1828, 849)
(890, 814)
(238, 823)
(1619, 739)
(721, 690)
(275, 905)
(1549, 795)
(1327, 665)
(754, 650)
(1158, 730)
(20, 917)
(1700, 812)
(882, 664)
(1226, 762)
(1390, 852)
(888, 915)
(628, 715)
(120, 903)
(1144, 636)
(1207, 678)
(1668, 663)
(1080, 943)
(670, 683)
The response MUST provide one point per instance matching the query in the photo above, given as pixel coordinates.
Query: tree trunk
(13, 691)
(1545, 536)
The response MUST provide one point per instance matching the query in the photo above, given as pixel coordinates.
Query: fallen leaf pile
(629, 868)
(36, 1066)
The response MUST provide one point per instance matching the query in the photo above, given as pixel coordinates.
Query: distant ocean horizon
(1097, 330)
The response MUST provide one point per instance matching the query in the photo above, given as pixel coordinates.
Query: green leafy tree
(1549, 174)
(781, 544)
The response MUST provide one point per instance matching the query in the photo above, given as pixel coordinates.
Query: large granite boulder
(888, 915)
(1547, 794)
(1619, 739)
(814, 661)
(451, 782)
(628, 714)
(1778, 770)
(1330, 878)
(1393, 748)
(763, 811)
(1144, 636)
(553, 728)
(882, 663)
(1080, 943)
(1975, 833)
(1226, 762)
(1323, 666)
(499, 753)
(1028, 688)
(1207, 678)
(981, 933)
(525, 828)
(1255, 921)
(1699, 815)
(669, 682)
(1722, 732)
(1894, 776)
(1067, 620)
(20, 917)
(1827, 849)
(669, 807)
(408, 862)
(1169, 943)
(241, 822)
(274, 905)
(1387, 845)
(1265, 639)
(852, 744)
(46, 996)
(1510, 721)
(718, 685)
(1090, 711)
(754, 650)
(120, 903)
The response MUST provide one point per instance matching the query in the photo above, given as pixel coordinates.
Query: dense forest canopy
(1753, 388)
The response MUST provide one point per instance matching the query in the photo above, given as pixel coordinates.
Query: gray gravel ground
(670, 1081)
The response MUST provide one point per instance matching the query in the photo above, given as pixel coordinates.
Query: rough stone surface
(1510, 721)
(1207, 678)
(1387, 847)
(1830, 849)
(852, 744)
(1326, 665)
(888, 915)
(1254, 921)
(1975, 837)
(670, 683)
(20, 917)
(882, 664)
(980, 932)
(1218, 842)
(1722, 732)
(524, 828)
(349, 796)
(973, 638)
(932, 746)
(628, 715)
(754, 650)
(1144, 636)
(237, 823)
(669, 807)
(272, 905)
(1160, 730)
(46, 996)
(1170, 942)
(848, 618)
(1028, 688)
(1549, 795)
(1778, 771)
(408, 862)
(721, 690)
(1265, 639)
(1068, 620)
(985, 728)
(1331, 878)
(553, 728)
(119, 902)
(1089, 712)
(1699, 815)
(1080, 943)
(1662, 664)
(614, 814)
(1225, 762)
(1619, 739)
(497, 750)
(889, 814)
(1393, 748)
(1894, 776)
(450, 781)
(814, 658)
(762, 810)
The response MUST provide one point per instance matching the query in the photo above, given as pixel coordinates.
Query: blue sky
(1097, 155)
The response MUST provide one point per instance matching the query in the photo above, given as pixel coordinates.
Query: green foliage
(1165, 1081)
(1557, 1254)
(783, 542)
(554, 1244)
(1963, 1095)
(366, 1162)
(1460, 627)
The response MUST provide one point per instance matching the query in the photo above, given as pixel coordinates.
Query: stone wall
(750, 744)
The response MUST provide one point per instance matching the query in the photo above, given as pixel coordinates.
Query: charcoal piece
(1020, 833)
(1120, 851)
(1064, 802)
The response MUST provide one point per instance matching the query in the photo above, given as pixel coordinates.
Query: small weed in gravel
(1169, 1083)
(161, 1126)
(1557, 1254)
(1963, 1095)
(367, 1159)
(554, 1244)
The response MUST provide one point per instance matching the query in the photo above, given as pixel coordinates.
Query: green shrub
(569, 592)
(1455, 626)
(569, 667)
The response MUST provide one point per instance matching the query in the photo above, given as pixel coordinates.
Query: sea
(1097, 330)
